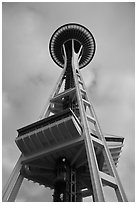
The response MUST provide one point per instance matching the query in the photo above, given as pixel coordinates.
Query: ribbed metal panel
(49, 135)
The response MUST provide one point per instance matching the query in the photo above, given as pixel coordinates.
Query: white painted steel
(12, 186)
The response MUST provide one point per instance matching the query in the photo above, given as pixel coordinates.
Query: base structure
(66, 150)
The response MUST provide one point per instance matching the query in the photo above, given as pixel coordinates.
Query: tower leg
(15, 189)
(12, 187)
(93, 168)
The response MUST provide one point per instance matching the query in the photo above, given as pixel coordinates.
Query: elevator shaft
(65, 182)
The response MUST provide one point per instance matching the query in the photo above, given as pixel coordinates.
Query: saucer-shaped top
(72, 31)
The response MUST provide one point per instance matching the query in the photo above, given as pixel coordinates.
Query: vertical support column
(12, 187)
(93, 167)
(72, 185)
(15, 189)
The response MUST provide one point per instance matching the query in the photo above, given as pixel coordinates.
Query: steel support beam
(12, 187)
(15, 189)
(93, 167)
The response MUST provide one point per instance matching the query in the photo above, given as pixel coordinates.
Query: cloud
(8, 159)
(5, 104)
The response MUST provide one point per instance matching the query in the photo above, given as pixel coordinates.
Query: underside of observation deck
(60, 136)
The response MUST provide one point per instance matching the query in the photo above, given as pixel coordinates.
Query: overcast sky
(29, 75)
